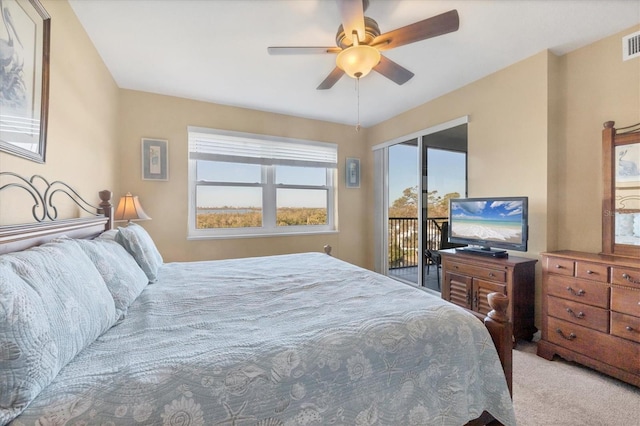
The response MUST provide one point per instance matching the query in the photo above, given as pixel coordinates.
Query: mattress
(302, 339)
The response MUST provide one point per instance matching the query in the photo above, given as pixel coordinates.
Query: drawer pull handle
(571, 336)
(628, 278)
(491, 274)
(590, 272)
(629, 328)
(575, 293)
(559, 266)
(573, 314)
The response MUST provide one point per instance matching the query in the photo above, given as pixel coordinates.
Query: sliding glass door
(444, 176)
(414, 179)
(403, 230)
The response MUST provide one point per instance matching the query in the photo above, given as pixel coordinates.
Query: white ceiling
(216, 50)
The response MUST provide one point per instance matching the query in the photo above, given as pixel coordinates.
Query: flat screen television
(489, 225)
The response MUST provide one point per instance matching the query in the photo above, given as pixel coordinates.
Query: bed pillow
(135, 239)
(53, 304)
(108, 235)
(124, 278)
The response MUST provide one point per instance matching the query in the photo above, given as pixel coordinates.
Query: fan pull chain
(358, 102)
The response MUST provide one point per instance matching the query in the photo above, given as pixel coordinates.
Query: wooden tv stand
(469, 278)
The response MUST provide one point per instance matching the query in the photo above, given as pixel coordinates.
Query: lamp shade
(358, 60)
(129, 209)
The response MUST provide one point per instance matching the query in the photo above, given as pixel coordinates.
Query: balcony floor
(410, 274)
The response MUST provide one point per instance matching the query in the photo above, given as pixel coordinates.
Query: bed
(111, 334)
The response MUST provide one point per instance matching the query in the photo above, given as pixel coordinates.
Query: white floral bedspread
(302, 339)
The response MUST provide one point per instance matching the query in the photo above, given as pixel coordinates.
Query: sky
(252, 196)
(496, 210)
(444, 167)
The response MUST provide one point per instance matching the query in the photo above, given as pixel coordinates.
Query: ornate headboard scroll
(45, 213)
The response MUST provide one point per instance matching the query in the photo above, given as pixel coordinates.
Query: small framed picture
(353, 173)
(155, 159)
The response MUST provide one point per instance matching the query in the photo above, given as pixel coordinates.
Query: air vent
(631, 46)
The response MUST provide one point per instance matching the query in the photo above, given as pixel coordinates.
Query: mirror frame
(612, 138)
(38, 15)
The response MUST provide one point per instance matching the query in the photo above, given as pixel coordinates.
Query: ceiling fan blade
(431, 27)
(331, 79)
(352, 14)
(301, 50)
(394, 72)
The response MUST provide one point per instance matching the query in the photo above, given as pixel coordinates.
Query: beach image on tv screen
(487, 220)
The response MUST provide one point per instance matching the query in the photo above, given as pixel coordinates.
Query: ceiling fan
(359, 43)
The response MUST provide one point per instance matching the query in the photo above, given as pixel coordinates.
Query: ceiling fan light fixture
(358, 60)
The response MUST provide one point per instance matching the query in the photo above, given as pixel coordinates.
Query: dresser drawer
(559, 266)
(592, 271)
(622, 353)
(582, 291)
(625, 300)
(625, 276)
(625, 326)
(579, 313)
(478, 272)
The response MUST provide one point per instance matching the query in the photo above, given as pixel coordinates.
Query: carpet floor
(561, 393)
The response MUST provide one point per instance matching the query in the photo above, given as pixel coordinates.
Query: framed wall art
(353, 173)
(155, 159)
(25, 30)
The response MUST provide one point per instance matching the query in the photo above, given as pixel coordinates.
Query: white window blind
(259, 149)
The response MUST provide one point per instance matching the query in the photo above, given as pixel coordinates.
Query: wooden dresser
(469, 278)
(591, 312)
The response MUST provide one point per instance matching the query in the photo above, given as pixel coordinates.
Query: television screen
(489, 222)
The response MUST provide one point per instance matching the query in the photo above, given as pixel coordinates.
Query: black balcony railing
(403, 239)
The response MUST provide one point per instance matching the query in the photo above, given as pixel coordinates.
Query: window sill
(258, 235)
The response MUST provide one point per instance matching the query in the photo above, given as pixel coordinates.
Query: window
(246, 185)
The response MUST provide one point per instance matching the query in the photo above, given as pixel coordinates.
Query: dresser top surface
(595, 257)
(510, 260)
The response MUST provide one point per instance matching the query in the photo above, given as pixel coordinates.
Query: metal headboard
(45, 213)
(43, 207)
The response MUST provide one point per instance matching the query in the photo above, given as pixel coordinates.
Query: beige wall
(555, 147)
(597, 87)
(82, 131)
(164, 117)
